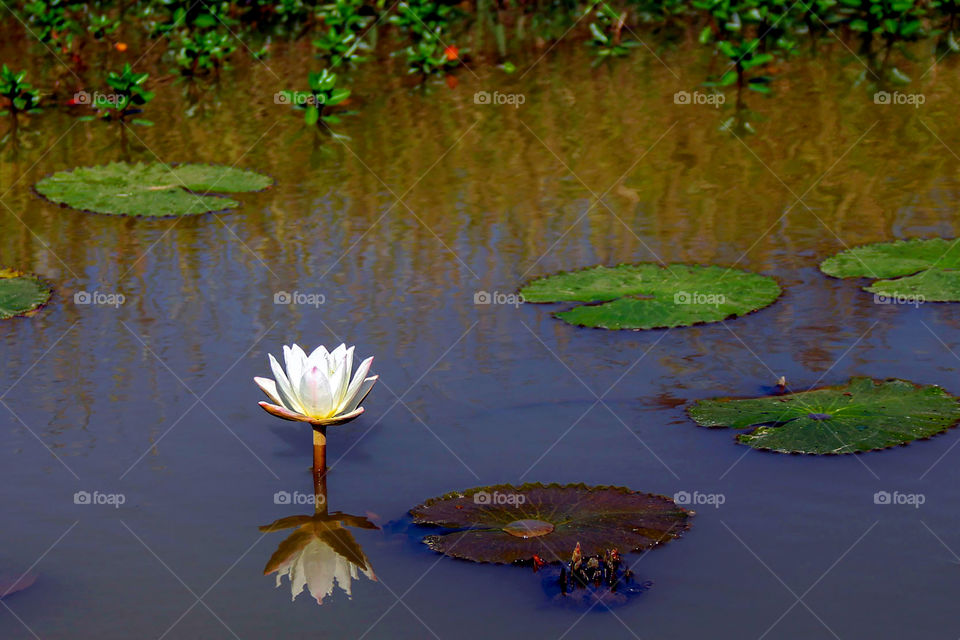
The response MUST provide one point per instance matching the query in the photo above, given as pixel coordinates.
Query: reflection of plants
(340, 41)
(324, 93)
(19, 96)
(607, 31)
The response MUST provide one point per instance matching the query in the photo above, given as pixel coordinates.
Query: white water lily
(317, 388)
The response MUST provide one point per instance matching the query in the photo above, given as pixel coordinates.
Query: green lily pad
(21, 294)
(862, 415)
(911, 270)
(504, 523)
(150, 190)
(651, 296)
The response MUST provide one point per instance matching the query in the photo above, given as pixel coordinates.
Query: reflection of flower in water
(319, 554)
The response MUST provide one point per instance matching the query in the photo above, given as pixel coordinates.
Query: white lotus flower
(317, 388)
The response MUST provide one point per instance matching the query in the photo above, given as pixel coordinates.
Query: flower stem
(320, 460)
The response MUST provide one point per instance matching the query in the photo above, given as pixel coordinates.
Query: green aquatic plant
(19, 96)
(100, 25)
(128, 97)
(892, 22)
(915, 270)
(150, 190)
(429, 56)
(21, 294)
(606, 33)
(343, 24)
(423, 19)
(204, 51)
(315, 104)
(50, 23)
(542, 523)
(861, 415)
(651, 296)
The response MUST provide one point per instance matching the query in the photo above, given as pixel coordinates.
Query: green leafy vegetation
(651, 296)
(918, 269)
(862, 415)
(150, 190)
(21, 294)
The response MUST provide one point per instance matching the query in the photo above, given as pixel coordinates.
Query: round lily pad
(651, 296)
(862, 415)
(20, 293)
(918, 269)
(150, 190)
(505, 523)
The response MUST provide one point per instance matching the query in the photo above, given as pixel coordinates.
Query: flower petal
(362, 392)
(288, 397)
(314, 393)
(269, 387)
(296, 361)
(354, 388)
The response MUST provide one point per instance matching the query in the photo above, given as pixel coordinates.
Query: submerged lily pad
(862, 415)
(150, 190)
(651, 296)
(20, 293)
(504, 523)
(924, 270)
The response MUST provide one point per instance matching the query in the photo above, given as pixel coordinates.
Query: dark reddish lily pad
(486, 521)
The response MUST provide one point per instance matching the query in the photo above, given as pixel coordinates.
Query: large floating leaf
(504, 523)
(150, 189)
(924, 270)
(862, 415)
(650, 296)
(21, 294)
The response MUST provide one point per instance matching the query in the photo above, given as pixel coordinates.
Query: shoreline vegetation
(751, 42)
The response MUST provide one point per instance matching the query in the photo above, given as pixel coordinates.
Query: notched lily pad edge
(574, 305)
(45, 285)
(749, 429)
(874, 279)
(210, 194)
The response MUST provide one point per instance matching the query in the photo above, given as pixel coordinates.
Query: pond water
(431, 199)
